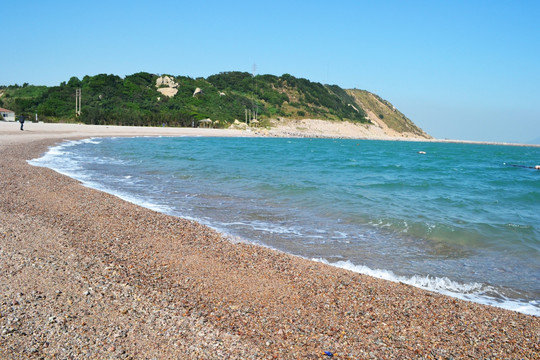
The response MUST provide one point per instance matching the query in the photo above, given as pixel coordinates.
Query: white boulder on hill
(197, 91)
(166, 85)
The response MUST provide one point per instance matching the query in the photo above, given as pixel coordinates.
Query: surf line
(536, 167)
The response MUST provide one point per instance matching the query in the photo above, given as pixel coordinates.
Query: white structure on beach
(7, 115)
(205, 123)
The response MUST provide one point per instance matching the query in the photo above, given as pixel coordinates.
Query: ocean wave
(61, 160)
(94, 141)
(137, 200)
(475, 292)
(263, 227)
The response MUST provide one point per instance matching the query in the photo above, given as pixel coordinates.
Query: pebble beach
(86, 275)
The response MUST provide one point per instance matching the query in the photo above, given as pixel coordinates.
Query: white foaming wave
(144, 203)
(340, 235)
(54, 155)
(276, 229)
(69, 143)
(59, 159)
(47, 157)
(91, 141)
(110, 161)
(54, 159)
(56, 151)
(263, 226)
(127, 197)
(130, 198)
(474, 292)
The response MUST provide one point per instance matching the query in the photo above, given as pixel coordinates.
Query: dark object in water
(537, 167)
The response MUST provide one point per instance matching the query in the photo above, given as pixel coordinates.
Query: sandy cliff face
(335, 129)
(384, 115)
(386, 122)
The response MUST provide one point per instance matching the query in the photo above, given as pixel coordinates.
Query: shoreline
(521, 305)
(85, 273)
(9, 133)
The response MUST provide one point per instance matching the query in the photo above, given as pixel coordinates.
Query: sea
(453, 218)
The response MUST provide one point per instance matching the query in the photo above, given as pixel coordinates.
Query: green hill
(150, 100)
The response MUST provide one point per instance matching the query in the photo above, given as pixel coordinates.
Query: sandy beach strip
(84, 274)
(10, 132)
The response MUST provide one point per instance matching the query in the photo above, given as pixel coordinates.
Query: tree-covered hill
(150, 99)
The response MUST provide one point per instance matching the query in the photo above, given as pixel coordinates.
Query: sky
(467, 70)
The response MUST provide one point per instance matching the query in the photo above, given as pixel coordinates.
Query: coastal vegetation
(145, 99)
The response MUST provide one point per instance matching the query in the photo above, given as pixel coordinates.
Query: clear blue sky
(459, 69)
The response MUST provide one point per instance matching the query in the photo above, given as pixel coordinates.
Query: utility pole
(254, 91)
(78, 101)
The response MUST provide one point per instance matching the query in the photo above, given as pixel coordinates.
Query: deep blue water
(456, 219)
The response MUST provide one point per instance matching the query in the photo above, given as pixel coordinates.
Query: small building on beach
(205, 123)
(7, 115)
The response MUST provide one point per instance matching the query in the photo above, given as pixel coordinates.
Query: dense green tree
(135, 100)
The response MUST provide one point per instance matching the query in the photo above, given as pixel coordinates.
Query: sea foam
(474, 292)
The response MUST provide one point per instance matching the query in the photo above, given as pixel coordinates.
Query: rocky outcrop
(167, 86)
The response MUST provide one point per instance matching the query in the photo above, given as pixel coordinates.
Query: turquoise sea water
(456, 219)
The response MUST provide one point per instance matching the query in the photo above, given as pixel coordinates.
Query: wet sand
(84, 274)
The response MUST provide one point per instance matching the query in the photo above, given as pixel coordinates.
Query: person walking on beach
(21, 120)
